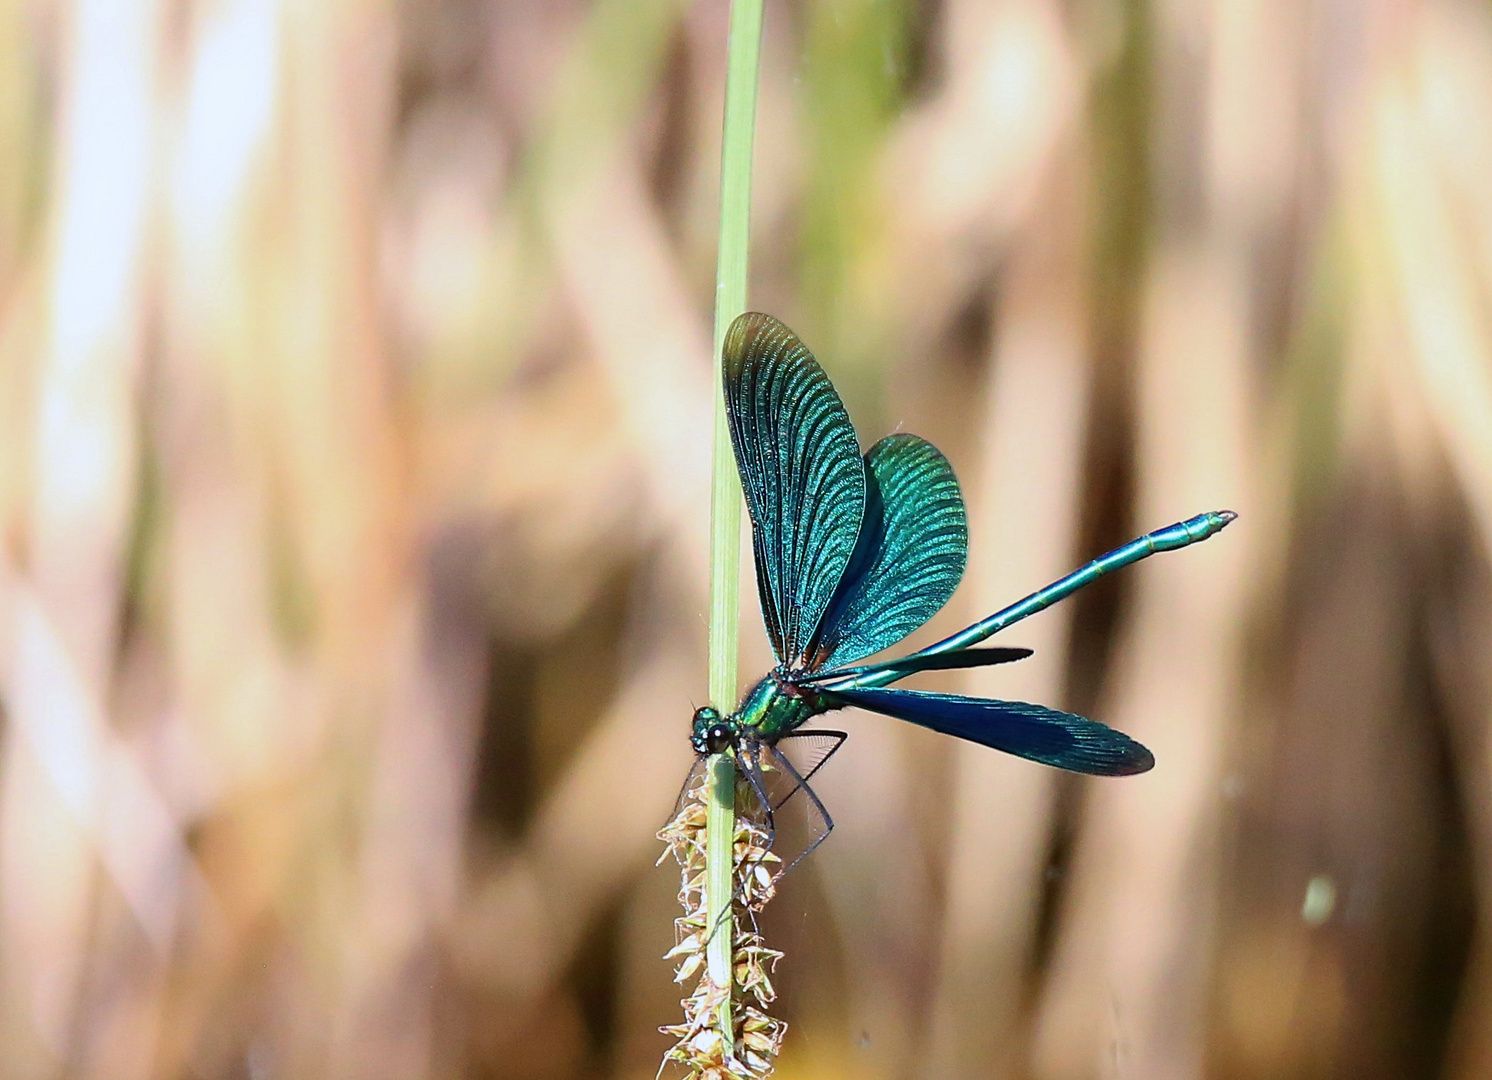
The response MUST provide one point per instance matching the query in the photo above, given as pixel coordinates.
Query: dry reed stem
(1003, 810)
(317, 811)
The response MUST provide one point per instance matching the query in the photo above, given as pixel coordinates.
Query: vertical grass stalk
(730, 301)
(720, 1036)
(742, 67)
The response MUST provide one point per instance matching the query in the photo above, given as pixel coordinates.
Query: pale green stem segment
(720, 834)
(730, 301)
(742, 64)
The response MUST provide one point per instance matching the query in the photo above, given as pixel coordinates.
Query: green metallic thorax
(774, 707)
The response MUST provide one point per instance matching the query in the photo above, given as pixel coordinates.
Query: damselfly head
(711, 734)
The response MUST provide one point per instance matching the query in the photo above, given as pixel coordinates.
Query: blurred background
(354, 406)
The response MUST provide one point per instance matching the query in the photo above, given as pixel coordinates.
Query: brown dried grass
(353, 412)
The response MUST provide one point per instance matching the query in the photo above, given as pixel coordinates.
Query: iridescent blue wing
(802, 473)
(910, 556)
(1029, 731)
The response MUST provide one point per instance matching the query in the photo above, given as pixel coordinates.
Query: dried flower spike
(755, 1038)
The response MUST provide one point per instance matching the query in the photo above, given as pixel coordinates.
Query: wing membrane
(910, 555)
(691, 779)
(807, 750)
(795, 825)
(802, 473)
(1034, 732)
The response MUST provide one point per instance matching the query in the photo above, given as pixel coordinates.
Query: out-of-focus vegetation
(354, 413)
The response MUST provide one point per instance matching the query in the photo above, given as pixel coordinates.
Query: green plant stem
(720, 832)
(744, 59)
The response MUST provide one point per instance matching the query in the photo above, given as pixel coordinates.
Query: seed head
(700, 1045)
